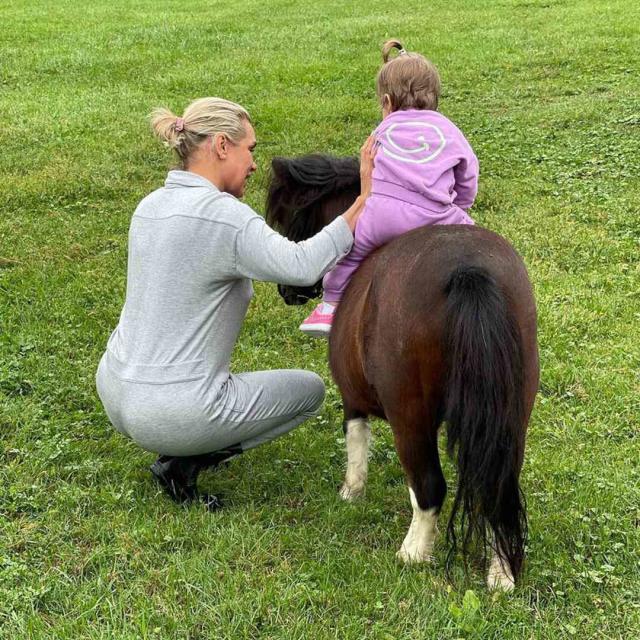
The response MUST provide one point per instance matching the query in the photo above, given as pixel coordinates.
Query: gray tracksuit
(164, 379)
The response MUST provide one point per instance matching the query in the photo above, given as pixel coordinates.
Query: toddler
(425, 171)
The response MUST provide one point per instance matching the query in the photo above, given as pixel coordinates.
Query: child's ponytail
(388, 46)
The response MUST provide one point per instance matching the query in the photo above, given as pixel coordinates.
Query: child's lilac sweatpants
(384, 218)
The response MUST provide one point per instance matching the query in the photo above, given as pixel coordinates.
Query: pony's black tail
(485, 416)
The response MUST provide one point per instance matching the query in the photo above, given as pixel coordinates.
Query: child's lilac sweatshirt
(425, 154)
(425, 173)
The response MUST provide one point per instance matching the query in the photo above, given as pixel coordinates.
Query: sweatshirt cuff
(341, 235)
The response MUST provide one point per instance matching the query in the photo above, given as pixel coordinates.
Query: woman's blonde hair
(203, 117)
(409, 79)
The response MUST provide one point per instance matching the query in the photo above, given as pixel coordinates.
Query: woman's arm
(367, 155)
(263, 254)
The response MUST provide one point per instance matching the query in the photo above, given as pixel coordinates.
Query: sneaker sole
(316, 330)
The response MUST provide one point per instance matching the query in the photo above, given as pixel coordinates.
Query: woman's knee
(316, 391)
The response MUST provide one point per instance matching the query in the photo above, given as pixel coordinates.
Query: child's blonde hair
(203, 117)
(409, 79)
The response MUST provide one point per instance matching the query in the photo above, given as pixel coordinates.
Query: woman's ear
(219, 145)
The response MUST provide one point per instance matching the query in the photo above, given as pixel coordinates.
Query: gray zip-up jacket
(192, 252)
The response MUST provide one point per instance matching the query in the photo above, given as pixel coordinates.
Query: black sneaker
(177, 476)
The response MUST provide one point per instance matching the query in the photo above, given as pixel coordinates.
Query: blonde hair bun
(202, 118)
(163, 123)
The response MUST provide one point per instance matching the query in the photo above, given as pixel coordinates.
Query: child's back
(425, 160)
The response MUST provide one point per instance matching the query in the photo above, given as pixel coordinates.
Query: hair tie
(402, 52)
(179, 124)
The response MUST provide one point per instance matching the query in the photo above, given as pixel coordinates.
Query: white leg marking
(418, 543)
(358, 437)
(500, 576)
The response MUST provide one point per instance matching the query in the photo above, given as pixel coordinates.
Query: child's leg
(365, 241)
(336, 281)
(318, 323)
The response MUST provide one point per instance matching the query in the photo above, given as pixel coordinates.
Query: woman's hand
(367, 154)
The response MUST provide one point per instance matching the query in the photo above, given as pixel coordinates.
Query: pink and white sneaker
(318, 324)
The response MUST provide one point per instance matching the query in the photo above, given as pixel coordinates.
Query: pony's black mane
(298, 187)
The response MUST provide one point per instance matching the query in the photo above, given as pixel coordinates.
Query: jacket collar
(179, 178)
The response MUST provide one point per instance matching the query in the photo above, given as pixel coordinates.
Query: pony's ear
(280, 167)
(278, 206)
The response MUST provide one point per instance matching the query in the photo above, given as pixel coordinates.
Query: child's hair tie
(179, 124)
(402, 52)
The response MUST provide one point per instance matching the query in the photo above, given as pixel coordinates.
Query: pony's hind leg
(418, 451)
(500, 575)
(358, 436)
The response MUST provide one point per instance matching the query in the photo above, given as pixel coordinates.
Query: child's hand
(367, 155)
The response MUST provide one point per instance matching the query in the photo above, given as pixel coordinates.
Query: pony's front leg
(358, 436)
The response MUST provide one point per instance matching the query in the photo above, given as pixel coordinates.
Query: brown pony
(437, 326)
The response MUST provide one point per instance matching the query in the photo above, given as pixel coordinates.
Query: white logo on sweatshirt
(429, 143)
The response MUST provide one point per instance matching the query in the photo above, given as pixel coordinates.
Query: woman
(164, 379)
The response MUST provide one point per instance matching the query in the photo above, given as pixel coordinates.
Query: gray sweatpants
(180, 419)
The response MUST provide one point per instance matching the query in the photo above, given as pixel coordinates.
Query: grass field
(547, 92)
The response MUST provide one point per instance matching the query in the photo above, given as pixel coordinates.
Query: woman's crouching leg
(269, 404)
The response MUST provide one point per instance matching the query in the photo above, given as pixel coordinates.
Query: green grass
(547, 93)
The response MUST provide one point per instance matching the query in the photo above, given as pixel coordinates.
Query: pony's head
(305, 194)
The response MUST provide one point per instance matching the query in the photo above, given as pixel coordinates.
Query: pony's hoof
(413, 556)
(500, 578)
(351, 493)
